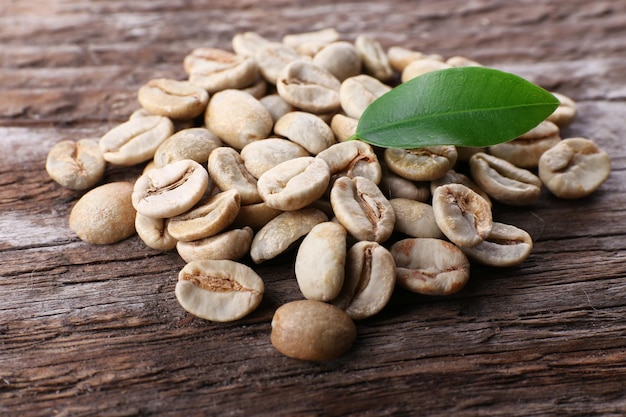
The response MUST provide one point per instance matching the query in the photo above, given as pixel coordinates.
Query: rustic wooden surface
(97, 331)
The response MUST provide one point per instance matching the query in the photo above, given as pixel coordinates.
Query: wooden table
(96, 330)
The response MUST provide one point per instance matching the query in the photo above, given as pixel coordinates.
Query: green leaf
(468, 106)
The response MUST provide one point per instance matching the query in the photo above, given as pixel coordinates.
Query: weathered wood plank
(88, 330)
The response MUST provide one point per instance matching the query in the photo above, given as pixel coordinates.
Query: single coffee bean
(422, 66)
(237, 118)
(362, 209)
(430, 266)
(399, 57)
(374, 58)
(228, 172)
(309, 87)
(170, 190)
(526, 150)
(294, 184)
(565, 113)
(105, 214)
(153, 232)
(461, 61)
(421, 164)
(136, 140)
(255, 215)
(263, 155)
(283, 231)
(306, 129)
(462, 214)
(453, 177)
(193, 143)
(395, 186)
(341, 59)
(216, 69)
(206, 219)
(219, 290)
(504, 246)
(415, 219)
(273, 57)
(76, 165)
(310, 43)
(248, 43)
(370, 278)
(232, 245)
(312, 330)
(574, 168)
(503, 181)
(358, 92)
(343, 127)
(352, 159)
(172, 98)
(276, 105)
(320, 262)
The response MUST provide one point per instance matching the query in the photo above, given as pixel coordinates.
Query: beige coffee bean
(256, 90)
(574, 168)
(341, 59)
(216, 69)
(307, 130)
(237, 118)
(565, 113)
(526, 150)
(506, 245)
(232, 245)
(105, 214)
(462, 214)
(219, 290)
(461, 61)
(310, 43)
(399, 57)
(358, 92)
(294, 184)
(273, 57)
(136, 140)
(309, 87)
(421, 164)
(193, 143)
(282, 232)
(362, 209)
(369, 281)
(415, 219)
(153, 232)
(421, 67)
(454, 177)
(228, 172)
(320, 262)
(312, 331)
(352, 159)
(76, 165)
(374, 58)
(503, 181)
(248, 43)
(170, 190)
(172, 98)
(255, 215)
(343, 127)
(394, 186)
(206, 219)
(430, 266)
(276, 105)
(262, 155)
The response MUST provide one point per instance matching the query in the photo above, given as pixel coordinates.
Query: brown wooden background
(97, 331)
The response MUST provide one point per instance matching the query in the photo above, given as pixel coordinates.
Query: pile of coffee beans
(249, 157)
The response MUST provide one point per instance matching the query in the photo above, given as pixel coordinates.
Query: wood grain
(97, 331)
